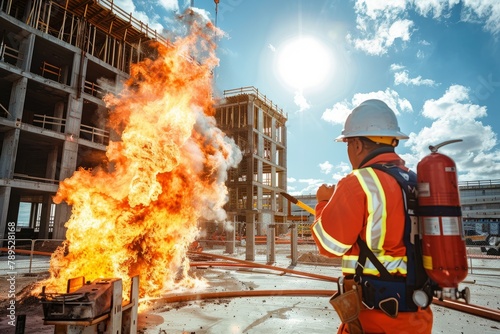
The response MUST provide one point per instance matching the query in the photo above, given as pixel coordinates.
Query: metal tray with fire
(89, 301)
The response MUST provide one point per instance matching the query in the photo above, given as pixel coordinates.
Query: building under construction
(258, 128)
(57, 60)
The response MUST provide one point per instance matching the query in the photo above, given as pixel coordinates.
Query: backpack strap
(416, 275)
(365, 252)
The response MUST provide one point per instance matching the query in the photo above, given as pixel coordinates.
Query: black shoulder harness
(416, 275)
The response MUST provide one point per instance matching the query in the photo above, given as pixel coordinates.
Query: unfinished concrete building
(259, 128)
(57, 59)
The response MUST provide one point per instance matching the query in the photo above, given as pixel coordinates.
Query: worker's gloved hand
(324, 192)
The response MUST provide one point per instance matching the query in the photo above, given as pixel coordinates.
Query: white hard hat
(373, 119)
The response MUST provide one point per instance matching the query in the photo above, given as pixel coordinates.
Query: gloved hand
(325, 192)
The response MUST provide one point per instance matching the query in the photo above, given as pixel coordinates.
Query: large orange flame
(138, 214)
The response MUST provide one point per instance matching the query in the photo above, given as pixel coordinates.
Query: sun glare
(303, 62)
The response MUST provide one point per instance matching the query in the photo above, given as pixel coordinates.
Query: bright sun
(303, 62)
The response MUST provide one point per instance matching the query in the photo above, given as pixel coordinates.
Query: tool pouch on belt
(348, 306)
(389, 297)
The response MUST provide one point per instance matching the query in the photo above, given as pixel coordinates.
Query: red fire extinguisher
(440, 220)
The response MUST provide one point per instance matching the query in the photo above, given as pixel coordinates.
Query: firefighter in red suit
(368, 203)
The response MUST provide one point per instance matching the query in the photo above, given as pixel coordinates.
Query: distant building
(480, 202)
(259, 129)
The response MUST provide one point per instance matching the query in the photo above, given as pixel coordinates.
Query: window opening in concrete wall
(24, 214)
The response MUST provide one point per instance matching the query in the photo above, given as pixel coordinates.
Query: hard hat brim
(398, 135)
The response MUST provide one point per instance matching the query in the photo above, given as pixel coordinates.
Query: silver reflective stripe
(331, 245)
(376, 226)
(393, 265)
(377, 214)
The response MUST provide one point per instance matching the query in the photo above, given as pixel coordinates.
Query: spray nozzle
(434, 149)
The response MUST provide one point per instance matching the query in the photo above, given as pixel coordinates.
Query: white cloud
(151, 20)
(381, 36)
(487, 11)
(397, 67)
(170, 5)
(271, 47)
(455, 117)
(403, 78)
(339, 112)
(434, 8)
(340, 171)
(325, 167)
(127, 5)
(300, 100)
(380, 23)
(311, 186)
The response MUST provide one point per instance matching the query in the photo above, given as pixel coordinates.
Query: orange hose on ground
(218, 264)
(258, 265)
(475, 310)
(246, 293)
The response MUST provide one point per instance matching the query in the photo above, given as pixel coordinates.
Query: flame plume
(138, 214)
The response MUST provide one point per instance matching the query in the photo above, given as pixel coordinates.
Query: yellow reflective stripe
(376, 227)
(327, 242)
(376, 206)
(393, 265)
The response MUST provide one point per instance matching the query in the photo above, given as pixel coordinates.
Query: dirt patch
(310, 258)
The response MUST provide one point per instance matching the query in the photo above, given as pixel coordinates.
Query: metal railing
(479, 184)
(6, 52)
(300, 247)
(24, 256)
(96, 135)
(49, 121)
(250, 90)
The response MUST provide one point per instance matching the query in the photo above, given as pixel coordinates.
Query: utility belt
(369, 292)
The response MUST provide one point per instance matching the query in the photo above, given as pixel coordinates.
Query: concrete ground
(270, 313)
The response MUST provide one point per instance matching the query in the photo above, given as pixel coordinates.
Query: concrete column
(17, 98)
(261, 217)
(62, 215)
(68, 161)
(230, 240)
(4, 208)
(52, 164)
(271, 244)
(26, 51)
(43, 233)
(9, 153)
(250, 236)
(79, 68)
(59, 113)
(294, 243)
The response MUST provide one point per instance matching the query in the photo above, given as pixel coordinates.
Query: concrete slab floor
(273, 314)
(285, 314)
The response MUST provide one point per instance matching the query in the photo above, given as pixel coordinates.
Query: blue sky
(435, 62)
